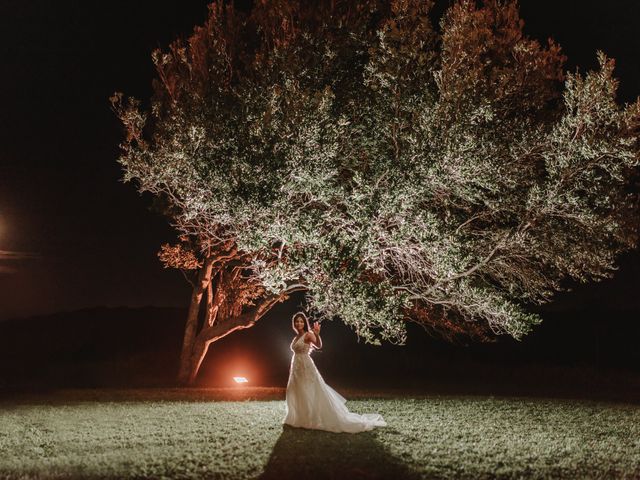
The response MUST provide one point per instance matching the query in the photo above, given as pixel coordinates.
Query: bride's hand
(316, 327)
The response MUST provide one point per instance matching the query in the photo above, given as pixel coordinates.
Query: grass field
(204, 433)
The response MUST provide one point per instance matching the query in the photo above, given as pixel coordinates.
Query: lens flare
(240, 380)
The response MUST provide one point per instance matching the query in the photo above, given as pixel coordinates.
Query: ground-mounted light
(240, 380)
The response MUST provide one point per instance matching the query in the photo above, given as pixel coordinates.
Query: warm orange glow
(227, 367)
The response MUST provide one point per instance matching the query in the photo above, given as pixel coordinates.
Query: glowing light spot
(240, 380)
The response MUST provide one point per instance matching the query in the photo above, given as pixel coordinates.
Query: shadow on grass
(302, 453)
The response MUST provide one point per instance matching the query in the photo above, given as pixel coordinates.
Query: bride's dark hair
(304, 317)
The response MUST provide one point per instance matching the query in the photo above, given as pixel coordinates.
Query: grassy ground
(200, 433)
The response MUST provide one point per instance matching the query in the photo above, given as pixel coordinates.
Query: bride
(311, 403)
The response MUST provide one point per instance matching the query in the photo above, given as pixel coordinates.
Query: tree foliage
(451, 175)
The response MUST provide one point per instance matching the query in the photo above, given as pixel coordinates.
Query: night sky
(72, 235)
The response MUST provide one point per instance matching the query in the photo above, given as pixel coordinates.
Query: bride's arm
(313, 339)
(314, 336)
(318, 340)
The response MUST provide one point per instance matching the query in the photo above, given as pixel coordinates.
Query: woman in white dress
(311, 403)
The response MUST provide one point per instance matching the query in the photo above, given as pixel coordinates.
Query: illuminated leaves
(398, 172)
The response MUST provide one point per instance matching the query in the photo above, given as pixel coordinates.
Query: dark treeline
(590, 353)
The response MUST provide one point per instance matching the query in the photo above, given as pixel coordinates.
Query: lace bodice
(300, 347)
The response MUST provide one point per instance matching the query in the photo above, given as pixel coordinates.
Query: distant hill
(91, 347)
(140, 347)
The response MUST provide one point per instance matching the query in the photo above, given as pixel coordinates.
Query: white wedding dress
(311, 403)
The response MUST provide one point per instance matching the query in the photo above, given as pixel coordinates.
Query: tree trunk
(191, 326)
(215, 299)
(221, 329)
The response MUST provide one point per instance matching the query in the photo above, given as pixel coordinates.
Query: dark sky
(72, 235)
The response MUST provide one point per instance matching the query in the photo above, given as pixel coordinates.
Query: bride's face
(298, 324)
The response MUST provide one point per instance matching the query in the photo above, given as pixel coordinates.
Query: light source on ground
(240, 380)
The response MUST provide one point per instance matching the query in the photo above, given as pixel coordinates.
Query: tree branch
(246, 320)
(481, 263)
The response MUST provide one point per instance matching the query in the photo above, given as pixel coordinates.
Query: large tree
(227, 123)
(393, 170)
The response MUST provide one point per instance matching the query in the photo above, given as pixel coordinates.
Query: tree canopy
(452, 174)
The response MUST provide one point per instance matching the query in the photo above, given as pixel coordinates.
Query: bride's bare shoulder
(309, 337)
